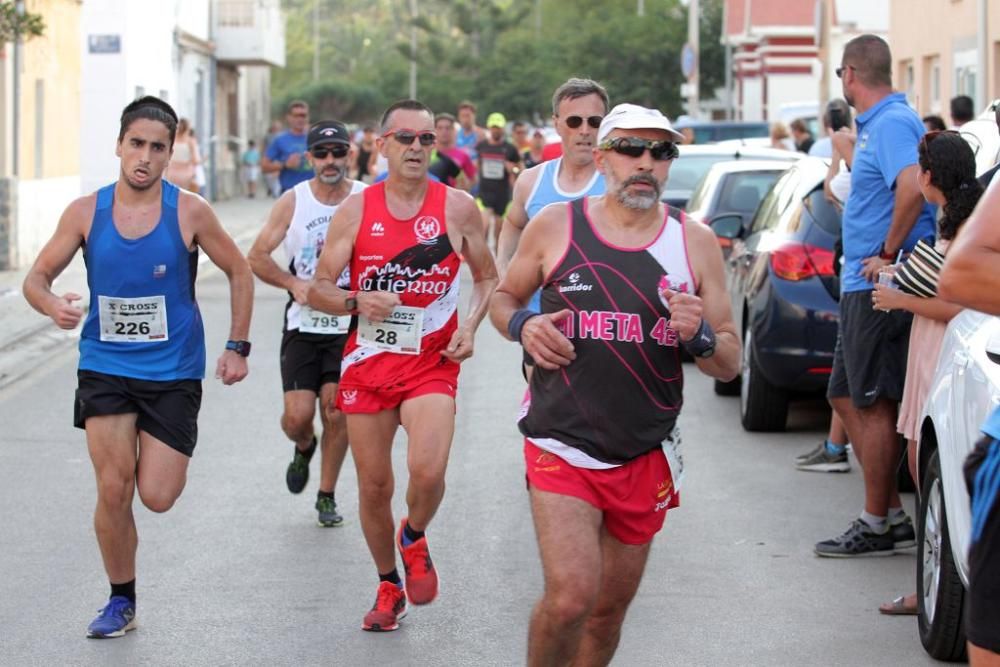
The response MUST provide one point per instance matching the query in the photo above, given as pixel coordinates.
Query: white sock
(896, 516)
(876, 523)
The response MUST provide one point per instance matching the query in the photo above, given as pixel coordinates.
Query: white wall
(40, 203)
(753, 108)
(112, 80)
(785, 88)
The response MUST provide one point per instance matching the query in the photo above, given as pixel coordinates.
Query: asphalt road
(238, 572)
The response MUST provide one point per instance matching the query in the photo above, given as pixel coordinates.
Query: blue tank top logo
(143, 321)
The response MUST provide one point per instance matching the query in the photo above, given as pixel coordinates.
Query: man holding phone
(836, 116)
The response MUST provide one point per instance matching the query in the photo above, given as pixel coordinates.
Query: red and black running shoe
(421, 577)
(390, 606)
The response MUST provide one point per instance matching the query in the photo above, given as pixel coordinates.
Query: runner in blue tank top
(142, 348)
(626, 281)
(577, 109)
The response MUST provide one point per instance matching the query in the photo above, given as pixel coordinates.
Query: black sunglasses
(574, 122)
(635, 147)
(407, 137)
(337, 152)
(840, 70)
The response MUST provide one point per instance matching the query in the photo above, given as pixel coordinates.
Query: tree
(14, 25)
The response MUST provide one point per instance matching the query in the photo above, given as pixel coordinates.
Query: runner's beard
(332, 179)
(643, 201)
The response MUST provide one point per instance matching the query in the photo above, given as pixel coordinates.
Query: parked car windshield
(743, 191)
(686, 172)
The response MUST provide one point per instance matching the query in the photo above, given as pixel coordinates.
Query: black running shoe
(903, 535)
(297, 475)
(859, 540)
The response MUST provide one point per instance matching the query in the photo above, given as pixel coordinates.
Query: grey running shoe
(903, 535)
(327, 508)
(858, 540)
(297, 475)
(821, 460)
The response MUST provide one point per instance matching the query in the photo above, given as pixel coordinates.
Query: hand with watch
(376, 306)
(871, 266)
(231, 368)
(695, 333)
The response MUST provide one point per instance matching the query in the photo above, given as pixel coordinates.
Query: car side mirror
(993, 348)
(727, 225)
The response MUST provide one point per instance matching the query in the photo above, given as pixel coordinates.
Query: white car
(965, 391)
(983, 136)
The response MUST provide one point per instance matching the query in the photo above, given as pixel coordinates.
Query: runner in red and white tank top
(413, 258)
(400, 368)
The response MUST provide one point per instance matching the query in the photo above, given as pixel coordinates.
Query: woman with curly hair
(948, 179)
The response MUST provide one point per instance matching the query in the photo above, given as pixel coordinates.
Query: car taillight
(797, 261)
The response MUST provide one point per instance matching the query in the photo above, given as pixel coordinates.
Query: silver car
(965, 391)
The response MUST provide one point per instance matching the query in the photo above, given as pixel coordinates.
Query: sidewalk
(27, 336)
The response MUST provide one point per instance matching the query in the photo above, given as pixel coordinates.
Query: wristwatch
(240, 347)
(351, 303)
(885, 255)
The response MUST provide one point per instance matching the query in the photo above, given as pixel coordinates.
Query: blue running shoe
(117, 618)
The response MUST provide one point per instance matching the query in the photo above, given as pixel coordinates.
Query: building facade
(937, 50)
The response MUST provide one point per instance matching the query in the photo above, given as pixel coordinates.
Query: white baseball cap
(634, 117)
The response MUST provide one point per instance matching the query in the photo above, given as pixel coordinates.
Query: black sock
(308, 453)
(324, 494)
(392, 577)
(126, 590)
(410, 534)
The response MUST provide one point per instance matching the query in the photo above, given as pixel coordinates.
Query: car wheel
(940, 593)
(763, 407)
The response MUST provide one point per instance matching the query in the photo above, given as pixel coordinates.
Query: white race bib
(318, 322)
(494, 170)
(141, 320)
(675, 459)
(400, 332)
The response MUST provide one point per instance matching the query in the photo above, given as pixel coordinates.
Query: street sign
(689, 60)
(104, 43)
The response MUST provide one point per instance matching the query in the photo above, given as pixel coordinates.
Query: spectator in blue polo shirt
(286, 154)
(884, 215)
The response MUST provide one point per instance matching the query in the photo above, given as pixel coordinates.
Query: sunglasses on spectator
(407, 137)
(635, 147)
(934, 134)
(338, 151)
(840, 70)
(574, 122)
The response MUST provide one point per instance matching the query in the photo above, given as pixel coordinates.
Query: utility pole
(18, 64)
(413, 50)
(315, 23)
(983, 53)
(640, 10)
(693, 80)
(538, 19)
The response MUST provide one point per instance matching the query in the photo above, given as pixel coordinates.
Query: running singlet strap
(547, 190)
(303, 244)
(413, 258)
(143, 321)
(621, 395)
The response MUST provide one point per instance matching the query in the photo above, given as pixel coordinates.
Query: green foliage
(12, 25)
(490, 51)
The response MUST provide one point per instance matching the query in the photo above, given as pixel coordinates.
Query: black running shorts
(308, 360)
(982, 478)
(869, 361)
(166, 410)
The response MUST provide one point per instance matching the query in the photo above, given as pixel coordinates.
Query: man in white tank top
(312, 342)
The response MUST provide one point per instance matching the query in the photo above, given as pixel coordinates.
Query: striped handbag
(918, 275)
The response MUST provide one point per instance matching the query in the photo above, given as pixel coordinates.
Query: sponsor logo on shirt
(159, 270)
(575, 285)
(398, 278)
(378, 229)
(427, 229)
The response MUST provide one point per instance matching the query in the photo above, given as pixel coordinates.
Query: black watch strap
(240, 347)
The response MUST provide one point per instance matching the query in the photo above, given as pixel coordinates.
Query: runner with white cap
(626, 282)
